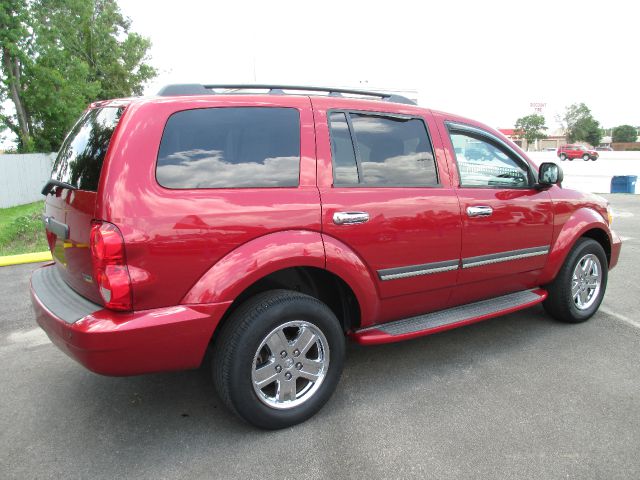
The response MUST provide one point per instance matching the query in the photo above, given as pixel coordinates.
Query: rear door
(69, 211)
(385, 195)
(507, 224)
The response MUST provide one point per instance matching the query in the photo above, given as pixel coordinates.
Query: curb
(25, 258)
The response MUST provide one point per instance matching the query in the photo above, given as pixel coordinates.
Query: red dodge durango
(266, 225)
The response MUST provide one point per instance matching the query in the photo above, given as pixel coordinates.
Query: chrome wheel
(585, 158)
(290, 365)
(586, 281)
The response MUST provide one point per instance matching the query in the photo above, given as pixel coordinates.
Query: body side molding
(481, 260)
(416, 270)
(469, 262)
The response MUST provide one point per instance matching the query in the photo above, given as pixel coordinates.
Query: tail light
(109, 266)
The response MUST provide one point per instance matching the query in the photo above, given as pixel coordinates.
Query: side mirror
(549, 174)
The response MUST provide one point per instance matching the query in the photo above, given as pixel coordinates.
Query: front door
(507, 224)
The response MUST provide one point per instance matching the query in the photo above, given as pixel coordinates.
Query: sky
(488, 60)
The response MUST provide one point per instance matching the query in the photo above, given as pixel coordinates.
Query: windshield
(79, 161)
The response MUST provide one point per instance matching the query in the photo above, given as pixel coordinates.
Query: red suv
(569, 152)
(267, 227)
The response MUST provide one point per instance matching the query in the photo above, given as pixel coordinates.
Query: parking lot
(520, 396)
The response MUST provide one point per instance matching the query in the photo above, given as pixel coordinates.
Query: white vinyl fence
(22, 177)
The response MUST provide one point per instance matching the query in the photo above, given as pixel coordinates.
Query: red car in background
(570, 152)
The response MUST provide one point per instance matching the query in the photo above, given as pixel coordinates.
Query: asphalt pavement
(520, 396)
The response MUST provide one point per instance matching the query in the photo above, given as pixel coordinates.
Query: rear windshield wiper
(46, 190)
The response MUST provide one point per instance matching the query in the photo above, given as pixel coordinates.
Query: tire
(586, 157)
(563, 157)
(562, 303)
(247, 349)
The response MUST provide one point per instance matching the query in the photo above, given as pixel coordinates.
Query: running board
(447, 319)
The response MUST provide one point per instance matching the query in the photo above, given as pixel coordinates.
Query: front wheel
(278, 358)
(577, 291)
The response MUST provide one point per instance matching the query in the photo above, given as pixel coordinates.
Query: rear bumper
(122, 343)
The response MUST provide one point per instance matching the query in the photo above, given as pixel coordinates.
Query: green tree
(69, 53)
(531, 128)
(579, 124)
(624, 133)
(15, 48)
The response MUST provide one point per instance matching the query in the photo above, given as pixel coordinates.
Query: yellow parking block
(25, 258)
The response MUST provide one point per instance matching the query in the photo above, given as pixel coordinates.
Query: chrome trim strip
(504, 257)
(418, 270)
(470, 262)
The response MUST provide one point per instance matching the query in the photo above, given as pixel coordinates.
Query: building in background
(554, 140)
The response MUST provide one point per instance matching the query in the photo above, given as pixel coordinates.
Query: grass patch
(21, 229)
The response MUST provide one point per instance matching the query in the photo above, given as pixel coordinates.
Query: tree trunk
(12, 68)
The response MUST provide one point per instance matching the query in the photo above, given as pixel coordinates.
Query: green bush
(21, 230)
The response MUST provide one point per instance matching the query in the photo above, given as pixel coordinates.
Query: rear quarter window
(237, 147)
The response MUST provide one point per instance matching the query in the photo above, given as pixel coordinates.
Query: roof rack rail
(199, 89)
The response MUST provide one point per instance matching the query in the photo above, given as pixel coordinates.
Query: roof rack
(199, 89)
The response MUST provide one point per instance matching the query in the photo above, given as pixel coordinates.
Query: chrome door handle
(350, 218)
(479, 211)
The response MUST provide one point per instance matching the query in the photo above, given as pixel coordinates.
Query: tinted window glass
(80, 159)
(230, 147)
(394, 151)
(345, 170)
(482, 164)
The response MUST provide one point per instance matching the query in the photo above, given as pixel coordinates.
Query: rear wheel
(586, 157)
(563, 157)
(578, 289)
(278, 358)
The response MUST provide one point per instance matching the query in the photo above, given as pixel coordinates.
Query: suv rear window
(238, 147)
(80, 159)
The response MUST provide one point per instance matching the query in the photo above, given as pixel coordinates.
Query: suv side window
(239, 147)
(389, 150)
(483, 163)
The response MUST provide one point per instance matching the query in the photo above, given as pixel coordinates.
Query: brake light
(109, 266)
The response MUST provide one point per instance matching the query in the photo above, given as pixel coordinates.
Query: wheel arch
(600, 236)
(585, 222)
(303, 261)
(319, 283)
